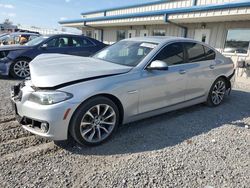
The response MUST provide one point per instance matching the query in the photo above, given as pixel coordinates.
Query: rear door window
(197, 52)
(209, 54)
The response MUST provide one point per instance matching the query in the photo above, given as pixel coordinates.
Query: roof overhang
(235, 14)
(125, 7)
(173, 14)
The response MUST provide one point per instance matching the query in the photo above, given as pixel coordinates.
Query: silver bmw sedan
(133, 79)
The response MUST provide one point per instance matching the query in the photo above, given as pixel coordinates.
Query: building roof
(125, 7)
(163, 12)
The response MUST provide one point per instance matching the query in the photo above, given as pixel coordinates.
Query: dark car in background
(14, 59)
(17, 38)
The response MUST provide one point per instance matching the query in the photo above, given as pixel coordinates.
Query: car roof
(159, 39)
(53, 35)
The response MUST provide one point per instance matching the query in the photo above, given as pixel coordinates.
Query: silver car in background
(133, 79)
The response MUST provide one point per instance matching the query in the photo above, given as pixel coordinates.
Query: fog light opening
(44, 127)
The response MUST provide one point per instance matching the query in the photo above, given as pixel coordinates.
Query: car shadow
(8, 78)
(171, 128)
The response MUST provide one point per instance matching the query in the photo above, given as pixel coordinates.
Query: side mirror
(158, 65)
(44, 46)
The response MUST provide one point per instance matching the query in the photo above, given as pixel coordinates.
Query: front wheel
(20, 69)
(95, 121)
(217, 92)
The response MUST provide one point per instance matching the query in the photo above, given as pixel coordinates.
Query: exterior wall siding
(130, 21)
(208, 16)
(207, 2)
(99, 14)
(110, 35)
(166, 5)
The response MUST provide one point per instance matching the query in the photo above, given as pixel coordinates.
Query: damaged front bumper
(44, 120)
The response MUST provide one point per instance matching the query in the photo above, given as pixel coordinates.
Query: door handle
(182, 71)
(211, 66)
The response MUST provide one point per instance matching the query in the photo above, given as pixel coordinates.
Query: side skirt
(181, 105)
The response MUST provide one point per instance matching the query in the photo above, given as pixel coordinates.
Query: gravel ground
(194, 147)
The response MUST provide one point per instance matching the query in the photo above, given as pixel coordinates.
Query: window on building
(121, 34)
(89, 34)
(237, 41)
(159, 33)
(172, 54)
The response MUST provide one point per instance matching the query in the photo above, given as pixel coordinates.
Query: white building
(224, 24)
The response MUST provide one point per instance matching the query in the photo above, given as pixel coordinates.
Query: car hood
(14, 47)
(54, 70)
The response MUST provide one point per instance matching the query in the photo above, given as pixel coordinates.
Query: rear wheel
(217, 92)
(20, 68)
(95, 121)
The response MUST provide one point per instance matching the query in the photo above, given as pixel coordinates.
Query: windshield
(128, 53)
(36, 41)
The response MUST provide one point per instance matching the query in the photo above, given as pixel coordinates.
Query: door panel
(199, 79)
(143, 33)
(161, 88)
(200, 72)
(131, 33)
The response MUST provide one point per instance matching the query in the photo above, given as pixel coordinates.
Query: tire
(95, 121)
(217, 93)
(20, 68)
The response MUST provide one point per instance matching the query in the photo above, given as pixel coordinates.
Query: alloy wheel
(98, 123)
(21, 69)
(218, 92)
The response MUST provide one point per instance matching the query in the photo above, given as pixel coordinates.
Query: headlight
(49, 97)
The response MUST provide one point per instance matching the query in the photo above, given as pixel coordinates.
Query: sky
(47, 13)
